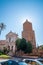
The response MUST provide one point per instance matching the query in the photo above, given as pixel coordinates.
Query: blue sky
(14, 13)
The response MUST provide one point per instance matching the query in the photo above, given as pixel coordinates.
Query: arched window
(9, 39)
(12, 48)
(8, 47)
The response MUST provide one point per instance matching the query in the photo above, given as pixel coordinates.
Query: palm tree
(2, 27)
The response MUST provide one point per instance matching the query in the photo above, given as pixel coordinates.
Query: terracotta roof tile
(2, 42)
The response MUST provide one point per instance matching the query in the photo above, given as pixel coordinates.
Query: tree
(2, 27)
(18, 44)
(4, 50)
(1, 52)
(29, 47)
(24, 46)
(42, 47)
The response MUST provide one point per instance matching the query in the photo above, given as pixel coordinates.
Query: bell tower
(28, 33)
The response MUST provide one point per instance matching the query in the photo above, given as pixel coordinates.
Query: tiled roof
(2, 42)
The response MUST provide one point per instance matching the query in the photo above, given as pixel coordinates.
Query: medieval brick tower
(28, 33)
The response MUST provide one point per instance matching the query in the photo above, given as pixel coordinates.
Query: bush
(1, 52)
(4, 56)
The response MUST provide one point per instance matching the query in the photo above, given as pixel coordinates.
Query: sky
(13, 14)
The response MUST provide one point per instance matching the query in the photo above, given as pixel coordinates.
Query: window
(12, 48)
(9, 39)
(8, 47)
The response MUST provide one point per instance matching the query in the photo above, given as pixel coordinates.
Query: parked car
(32, 61)
(12, 62)
(23, 62)
(41, 60)
(9, 62)
(3, 60)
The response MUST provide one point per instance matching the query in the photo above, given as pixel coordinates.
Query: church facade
(9, 42)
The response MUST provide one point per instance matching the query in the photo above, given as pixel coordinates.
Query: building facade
(28, 33)
(9, 42)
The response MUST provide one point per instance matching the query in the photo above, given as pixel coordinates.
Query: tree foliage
(29, 47)
(18, 44)
(1, 52)
(23, 45)
(2, 27)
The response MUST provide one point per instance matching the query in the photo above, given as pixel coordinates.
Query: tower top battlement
(27, 25)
